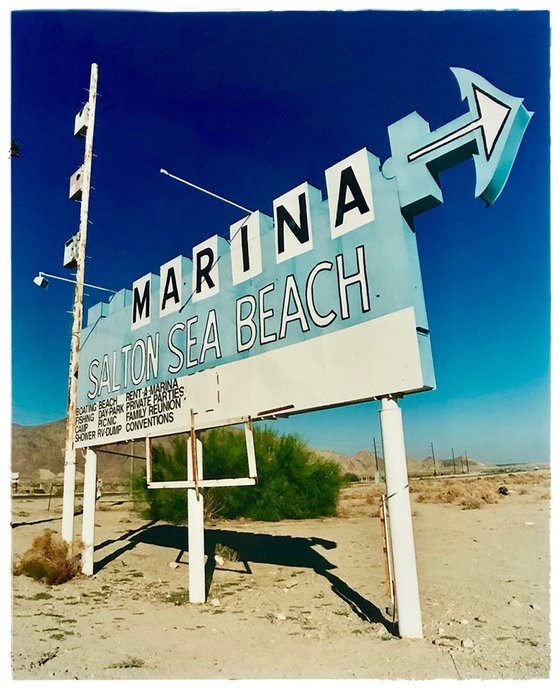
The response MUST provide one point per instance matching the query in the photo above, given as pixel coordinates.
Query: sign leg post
(68, 495)
(400, 520)
(195, 502)
(88, 516)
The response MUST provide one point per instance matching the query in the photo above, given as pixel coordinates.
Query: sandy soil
(305, 599)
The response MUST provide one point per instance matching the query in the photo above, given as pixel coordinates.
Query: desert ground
(295, 599)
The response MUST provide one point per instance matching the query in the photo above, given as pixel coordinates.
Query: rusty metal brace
(194, 460)
(387, 552)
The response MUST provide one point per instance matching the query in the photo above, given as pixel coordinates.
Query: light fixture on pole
(41, 281)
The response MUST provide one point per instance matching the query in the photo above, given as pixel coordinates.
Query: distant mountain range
(38, 456)
(363, 464)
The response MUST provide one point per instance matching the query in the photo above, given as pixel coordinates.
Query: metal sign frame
(194, 482)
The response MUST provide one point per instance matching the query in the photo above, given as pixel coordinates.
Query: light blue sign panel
(320, 305)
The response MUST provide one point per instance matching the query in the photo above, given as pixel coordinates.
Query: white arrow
(492, 115)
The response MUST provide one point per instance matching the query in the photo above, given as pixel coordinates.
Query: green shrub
(293, 483)
(167, 464)
(348, 478)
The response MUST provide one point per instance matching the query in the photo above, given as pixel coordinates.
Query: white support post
(195, 501)
(88, 515)
(148, 460)
(400, 520)
(250, 444)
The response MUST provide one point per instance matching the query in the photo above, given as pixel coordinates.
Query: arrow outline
(467, 128)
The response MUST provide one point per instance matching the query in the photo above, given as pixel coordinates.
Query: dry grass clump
(375, 492)
(48, 560)
(470, 494)
(360, 499)
(129, 662)
(529, 478)
(226, 553)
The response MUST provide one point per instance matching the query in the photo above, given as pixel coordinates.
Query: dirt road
(294, 599)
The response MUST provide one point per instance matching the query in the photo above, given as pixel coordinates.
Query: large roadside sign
(319, 305)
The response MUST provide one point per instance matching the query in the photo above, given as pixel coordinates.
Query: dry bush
(376, 511)
(226, 553)
(213, 508)
(541, 477)
(469, 494)
(129, 662)
(353, 508)
(374, 495)
(360, 499)
(48, 560)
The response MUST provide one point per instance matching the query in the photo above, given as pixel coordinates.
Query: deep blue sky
(250, 105)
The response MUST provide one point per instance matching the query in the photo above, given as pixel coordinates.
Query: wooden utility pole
(434, 459)
(77, 320)
(453, 457)
(467, 461)
(377, 476)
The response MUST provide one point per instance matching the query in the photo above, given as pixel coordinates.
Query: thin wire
(198, 188)
(74, 282)
(219, 257)
(219, 197)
